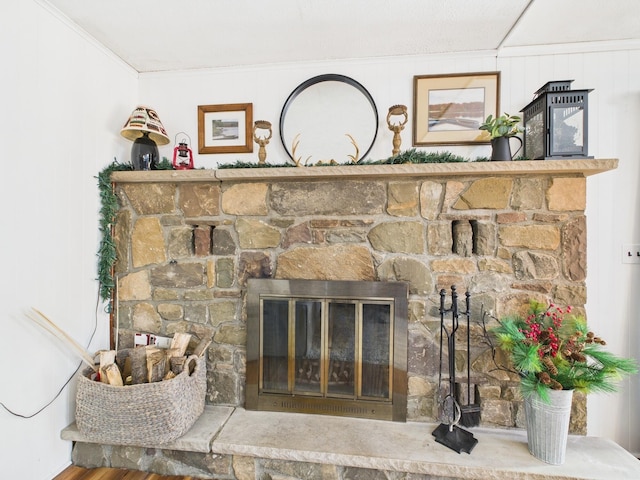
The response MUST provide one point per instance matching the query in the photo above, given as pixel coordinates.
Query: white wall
(612, 203)
(62, 102)
(176, 96)
(612, 70)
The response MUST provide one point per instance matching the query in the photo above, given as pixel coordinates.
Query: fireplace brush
(449, 434)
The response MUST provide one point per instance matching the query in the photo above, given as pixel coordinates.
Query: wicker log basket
(147, 414)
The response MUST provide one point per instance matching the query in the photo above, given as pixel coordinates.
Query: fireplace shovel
(449, 434)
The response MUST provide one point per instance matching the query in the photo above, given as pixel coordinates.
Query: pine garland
(407, 156)
(108, 211)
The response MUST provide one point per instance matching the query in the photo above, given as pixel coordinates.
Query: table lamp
(146, 131)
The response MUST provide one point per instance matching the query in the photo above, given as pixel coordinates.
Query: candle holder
(397, 125)
(263, 140)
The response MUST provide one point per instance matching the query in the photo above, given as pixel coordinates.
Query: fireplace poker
(470, 412)
(449, 434)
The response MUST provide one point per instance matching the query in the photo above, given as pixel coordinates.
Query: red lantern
(182, 155)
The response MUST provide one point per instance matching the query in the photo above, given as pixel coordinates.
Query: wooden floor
(78, 473)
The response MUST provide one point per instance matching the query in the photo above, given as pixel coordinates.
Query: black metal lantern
(555, 122)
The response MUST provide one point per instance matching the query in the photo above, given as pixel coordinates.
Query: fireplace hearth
(327, 347)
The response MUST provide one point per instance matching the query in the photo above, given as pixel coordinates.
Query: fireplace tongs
(450, 434)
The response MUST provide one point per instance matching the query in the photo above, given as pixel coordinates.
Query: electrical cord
(95, 328)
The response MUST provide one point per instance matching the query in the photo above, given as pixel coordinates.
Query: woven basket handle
(187, 365)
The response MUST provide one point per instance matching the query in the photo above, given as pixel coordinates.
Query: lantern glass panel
(535, 136)
(568, 132)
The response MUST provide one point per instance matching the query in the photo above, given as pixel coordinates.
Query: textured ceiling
(166, 35)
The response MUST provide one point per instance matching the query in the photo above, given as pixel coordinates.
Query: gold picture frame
(449, 109)
(226, 128)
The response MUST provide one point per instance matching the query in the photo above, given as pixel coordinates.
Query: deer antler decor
(396, 128)
(294, 147)
(354, 158)
(262, 140)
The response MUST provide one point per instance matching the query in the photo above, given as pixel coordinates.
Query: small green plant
(553, 349)
(503, 126)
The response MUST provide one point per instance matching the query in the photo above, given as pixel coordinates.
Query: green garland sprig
(109, 207)
(108, 210)
(407, 156)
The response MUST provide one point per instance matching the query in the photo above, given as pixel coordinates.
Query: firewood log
(177, 364)
(107, 357)
(123, 360)
(112, 373)
(181, 342)
(202, 347)
(138, 358)
(156, 365)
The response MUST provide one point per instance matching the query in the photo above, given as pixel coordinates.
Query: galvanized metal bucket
(548, 425)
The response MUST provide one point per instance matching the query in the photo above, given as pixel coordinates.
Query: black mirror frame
(326, 78)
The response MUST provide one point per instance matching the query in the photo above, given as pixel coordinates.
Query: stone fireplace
(188, 243)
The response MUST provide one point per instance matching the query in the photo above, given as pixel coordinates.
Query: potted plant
(501, 129)
(555, 354)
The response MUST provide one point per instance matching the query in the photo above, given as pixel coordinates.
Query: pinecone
(578, 357)
(548, 363)
(556, 385)
(544, 378)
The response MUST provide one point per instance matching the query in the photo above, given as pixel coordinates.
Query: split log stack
(147, 364)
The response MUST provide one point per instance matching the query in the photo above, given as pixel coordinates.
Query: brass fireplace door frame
(359, 292)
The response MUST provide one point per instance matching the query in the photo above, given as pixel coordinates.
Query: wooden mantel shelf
(585, 167)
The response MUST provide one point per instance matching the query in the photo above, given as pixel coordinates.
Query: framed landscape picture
(449, 109)
(225, 128)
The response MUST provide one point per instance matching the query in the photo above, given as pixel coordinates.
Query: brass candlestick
(396, 128)
(262, 140)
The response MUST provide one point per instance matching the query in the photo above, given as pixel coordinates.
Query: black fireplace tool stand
(450, 434)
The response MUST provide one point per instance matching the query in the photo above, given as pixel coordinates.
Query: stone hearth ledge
(585, 167)
(392, 446)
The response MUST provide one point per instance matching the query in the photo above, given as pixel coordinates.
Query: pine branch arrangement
(552, 349)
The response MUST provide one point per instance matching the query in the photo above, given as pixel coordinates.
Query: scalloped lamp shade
(146, 131)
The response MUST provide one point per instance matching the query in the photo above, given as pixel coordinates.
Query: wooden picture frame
(225, 128)
(449, 109)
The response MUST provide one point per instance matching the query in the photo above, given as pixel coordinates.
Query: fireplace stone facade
(188, 241)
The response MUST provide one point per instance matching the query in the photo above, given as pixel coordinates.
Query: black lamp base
(144, 153)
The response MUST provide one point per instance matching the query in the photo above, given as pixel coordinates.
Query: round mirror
(328, 117)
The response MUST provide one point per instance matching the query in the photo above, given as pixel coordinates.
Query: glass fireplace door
(341, 349)
(327, 348)
(308, 346)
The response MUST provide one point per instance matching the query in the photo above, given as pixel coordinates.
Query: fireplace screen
(327, 347)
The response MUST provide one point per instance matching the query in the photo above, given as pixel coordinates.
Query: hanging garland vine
(108, 210)
(109, 207)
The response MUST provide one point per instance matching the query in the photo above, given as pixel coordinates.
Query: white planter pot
(548, 425)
